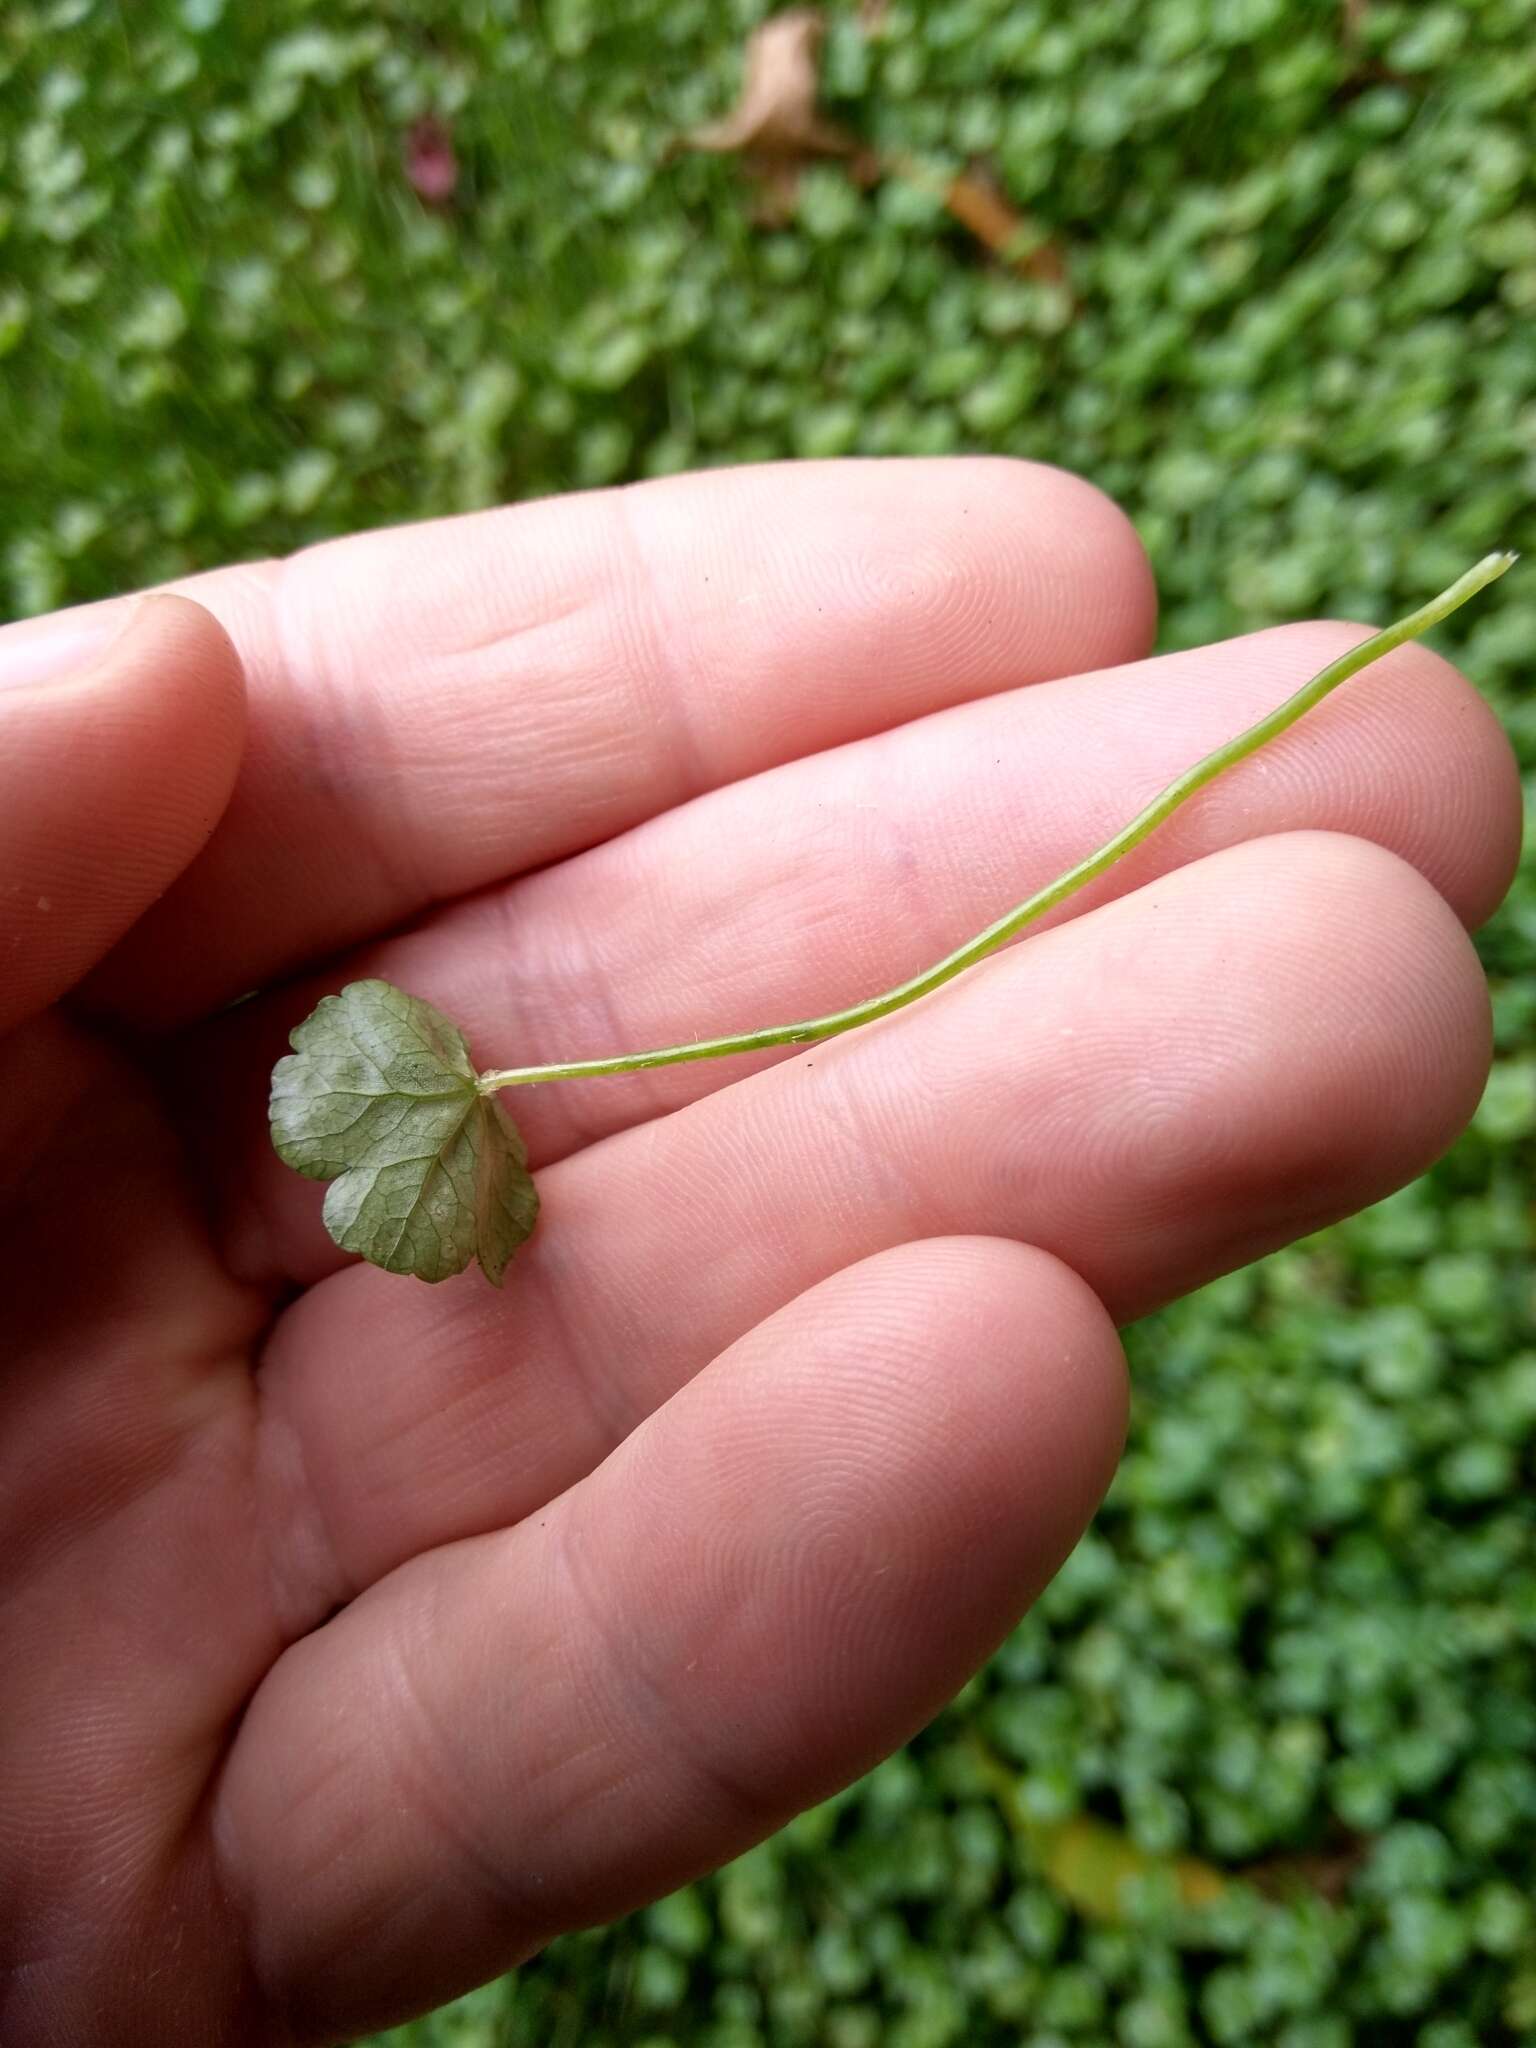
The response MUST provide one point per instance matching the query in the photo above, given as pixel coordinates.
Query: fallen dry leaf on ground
(777, 128)
(776, 114)
(979, 203)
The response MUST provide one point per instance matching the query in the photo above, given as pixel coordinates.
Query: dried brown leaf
(776, 116)
(777, 128)
(979, 203)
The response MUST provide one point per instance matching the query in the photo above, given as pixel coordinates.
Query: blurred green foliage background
(1297, 339)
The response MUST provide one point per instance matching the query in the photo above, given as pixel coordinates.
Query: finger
(116, 761)
(437, 707)
(814, 885)
(1157, 1092)
(778, 1579)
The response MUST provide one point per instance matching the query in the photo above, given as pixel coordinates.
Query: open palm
(362, 1635)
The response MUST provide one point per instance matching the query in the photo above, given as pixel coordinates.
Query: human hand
(360, 1636)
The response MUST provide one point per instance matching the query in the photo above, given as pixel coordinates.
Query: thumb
(112, 775)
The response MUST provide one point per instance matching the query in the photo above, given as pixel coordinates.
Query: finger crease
(690, 1749)
(663, 665)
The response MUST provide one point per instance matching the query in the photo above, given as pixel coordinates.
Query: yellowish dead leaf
(776, 115)
(777, 128)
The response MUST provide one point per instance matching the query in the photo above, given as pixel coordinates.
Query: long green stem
(1008, 926)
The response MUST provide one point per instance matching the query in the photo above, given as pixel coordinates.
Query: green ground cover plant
(1261, 1766)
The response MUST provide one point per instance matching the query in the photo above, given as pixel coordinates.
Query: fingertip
(194, 658)
(1413, 962)
(1466, 827)
(168, 683)
(1099, 557)
(1342, 1044)
(113, 776)
(1026, 1329)
(1414, 751)
(169, 694)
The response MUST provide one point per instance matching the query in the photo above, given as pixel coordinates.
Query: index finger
(435, 708)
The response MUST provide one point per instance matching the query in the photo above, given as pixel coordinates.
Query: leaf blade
(506, 1202)
(380, 1097)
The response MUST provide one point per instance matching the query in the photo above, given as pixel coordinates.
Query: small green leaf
(379, 1097)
